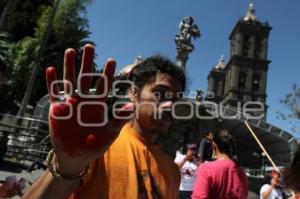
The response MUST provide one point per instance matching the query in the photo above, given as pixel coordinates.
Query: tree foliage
(22, 16)
(292, 102)
(69, 30)
(6, 94)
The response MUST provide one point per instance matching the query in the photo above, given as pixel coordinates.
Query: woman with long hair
(222, 178)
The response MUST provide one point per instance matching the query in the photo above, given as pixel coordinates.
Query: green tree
(23, 55)
(292, 102)
(6, 94)
(70, 29)
(19, 17)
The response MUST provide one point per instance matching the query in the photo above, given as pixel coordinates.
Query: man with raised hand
(112, 160)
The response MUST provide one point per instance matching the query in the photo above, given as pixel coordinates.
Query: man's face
(210, 136)
(190, 154)
(275, 181)
(155, 99)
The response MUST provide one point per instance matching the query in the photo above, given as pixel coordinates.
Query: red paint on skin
(73, 101)
(75, 137)
(51, 70)
(61, 109)
(56, 110)
(65, 109)
(90, 139)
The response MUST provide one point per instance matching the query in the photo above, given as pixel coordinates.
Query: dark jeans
(185, 194)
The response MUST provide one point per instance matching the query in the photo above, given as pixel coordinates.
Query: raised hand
(77, 125)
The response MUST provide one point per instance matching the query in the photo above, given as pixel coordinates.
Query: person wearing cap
(188, 164)
(273, 188)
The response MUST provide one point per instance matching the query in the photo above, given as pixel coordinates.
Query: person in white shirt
(188, 164)
(273, 189)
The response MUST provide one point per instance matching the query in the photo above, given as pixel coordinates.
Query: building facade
(244, 77)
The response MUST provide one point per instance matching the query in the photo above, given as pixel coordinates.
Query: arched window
(242, 80)
(255, 82)
(246, 45)
(258, 47)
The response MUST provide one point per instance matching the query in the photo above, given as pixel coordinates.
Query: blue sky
(124, 29)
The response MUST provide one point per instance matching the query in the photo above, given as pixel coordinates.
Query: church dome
(221, 64)
(128, 68)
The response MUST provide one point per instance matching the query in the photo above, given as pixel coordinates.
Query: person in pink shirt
(222, 178)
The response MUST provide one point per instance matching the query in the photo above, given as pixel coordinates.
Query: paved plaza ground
(31, 176)
(9, 169)
(12, 169)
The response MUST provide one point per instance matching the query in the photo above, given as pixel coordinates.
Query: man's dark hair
(185, 148)
(207, 133)
(267, 178)
(147, 70)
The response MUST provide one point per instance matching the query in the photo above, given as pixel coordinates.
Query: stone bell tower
(216, 81)
(246, 71)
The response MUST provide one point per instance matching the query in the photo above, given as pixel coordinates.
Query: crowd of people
(222, 177)
(216, 171)
(122, 159)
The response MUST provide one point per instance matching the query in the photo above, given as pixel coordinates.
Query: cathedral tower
(247, 68)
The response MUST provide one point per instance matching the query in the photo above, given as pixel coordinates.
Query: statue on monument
(183, 39)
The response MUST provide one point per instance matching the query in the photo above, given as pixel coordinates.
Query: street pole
(261, 146)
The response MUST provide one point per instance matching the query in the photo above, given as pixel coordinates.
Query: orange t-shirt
(131, 168)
